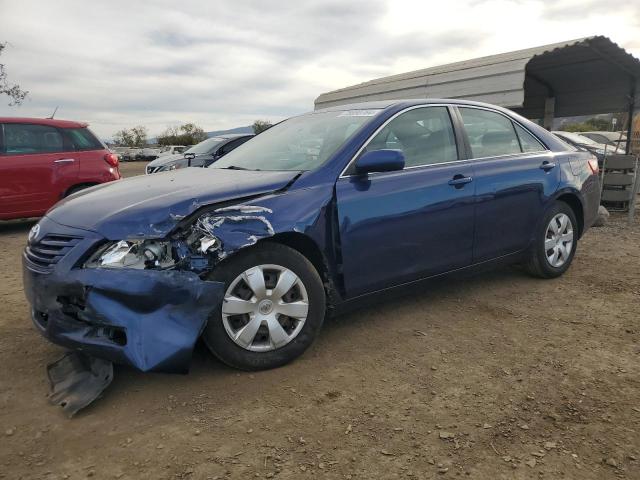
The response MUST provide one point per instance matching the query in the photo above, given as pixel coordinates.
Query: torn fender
(234, 228)
(148, 319)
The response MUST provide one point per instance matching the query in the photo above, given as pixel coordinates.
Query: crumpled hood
(149, 206)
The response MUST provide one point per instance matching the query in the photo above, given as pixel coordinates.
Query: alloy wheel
(265, 308)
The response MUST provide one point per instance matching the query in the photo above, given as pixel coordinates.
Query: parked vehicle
(127, 154)
(253, 252)
(582, 142)
(120, 152)
(201, 155)
(44, 160)
(171, 150)
(616, 139)
(147, 154)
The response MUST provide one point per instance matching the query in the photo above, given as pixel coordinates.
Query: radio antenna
(54, 113)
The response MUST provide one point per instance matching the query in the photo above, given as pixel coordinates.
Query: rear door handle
(460, 181)
(546, 166)
(65, 160)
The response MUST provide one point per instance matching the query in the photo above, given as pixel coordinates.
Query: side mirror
(189, 157)
(380, 161)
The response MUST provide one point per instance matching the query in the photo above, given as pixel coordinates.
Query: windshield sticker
(358, 113)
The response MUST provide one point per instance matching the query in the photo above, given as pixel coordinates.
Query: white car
(615, 139)
(171, 150)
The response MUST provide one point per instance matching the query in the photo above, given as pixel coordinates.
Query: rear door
(515, 176)
(396, 227)
(33, 167)
(88, 154)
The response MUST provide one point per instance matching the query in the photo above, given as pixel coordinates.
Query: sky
(224, 64)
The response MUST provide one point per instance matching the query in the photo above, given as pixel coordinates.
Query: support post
(632, 105)
(549, 112)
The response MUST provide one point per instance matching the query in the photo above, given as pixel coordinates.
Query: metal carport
(579, 77)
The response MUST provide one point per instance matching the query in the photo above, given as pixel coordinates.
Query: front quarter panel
(304, 211)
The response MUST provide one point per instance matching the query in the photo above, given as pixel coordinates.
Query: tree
(192, 134)
(187, 134)
(135, 137)
(260, 126)
(14, 92)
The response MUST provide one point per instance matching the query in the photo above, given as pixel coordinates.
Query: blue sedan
(315, 214)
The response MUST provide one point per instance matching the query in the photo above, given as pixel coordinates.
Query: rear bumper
(146, 319)
(591, 200)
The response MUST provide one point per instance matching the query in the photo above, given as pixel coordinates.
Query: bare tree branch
(13, 91)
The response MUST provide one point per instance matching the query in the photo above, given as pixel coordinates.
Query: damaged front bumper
(148, 319)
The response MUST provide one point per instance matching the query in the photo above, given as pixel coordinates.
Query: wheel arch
(307, 247)
(572, 198)
(77, 186)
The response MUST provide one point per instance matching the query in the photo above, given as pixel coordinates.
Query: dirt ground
(499, 376)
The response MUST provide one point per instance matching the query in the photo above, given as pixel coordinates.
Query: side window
(23, 138)
(425, 136)
(232, 145)
(83, 139)
(490, 134)
(528, 142)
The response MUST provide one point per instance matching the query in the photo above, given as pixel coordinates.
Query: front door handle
(459, 181)
(65, 160)
(546, 166)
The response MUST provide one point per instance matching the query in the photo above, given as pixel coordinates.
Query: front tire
(555, 244)
(273, 308)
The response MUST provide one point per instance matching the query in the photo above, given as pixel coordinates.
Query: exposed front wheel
(273, 308)
(555, 243)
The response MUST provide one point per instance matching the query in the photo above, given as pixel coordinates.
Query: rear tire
(555, 243)
(257, 285)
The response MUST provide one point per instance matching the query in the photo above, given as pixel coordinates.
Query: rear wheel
(555, 243)
(273, 308)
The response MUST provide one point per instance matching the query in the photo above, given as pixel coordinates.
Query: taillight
(111, 159)
(593, 165)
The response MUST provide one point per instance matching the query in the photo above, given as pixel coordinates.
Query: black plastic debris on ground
(77, 380)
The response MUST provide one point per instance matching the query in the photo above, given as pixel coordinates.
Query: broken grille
(50, 249)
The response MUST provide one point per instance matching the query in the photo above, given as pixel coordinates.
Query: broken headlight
(138, 254)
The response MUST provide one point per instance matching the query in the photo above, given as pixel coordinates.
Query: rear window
(83, 139)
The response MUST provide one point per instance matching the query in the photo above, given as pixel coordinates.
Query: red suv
(44, 160)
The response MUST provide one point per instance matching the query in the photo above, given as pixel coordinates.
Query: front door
(396, 227)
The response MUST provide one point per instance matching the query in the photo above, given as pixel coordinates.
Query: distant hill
(248, 129)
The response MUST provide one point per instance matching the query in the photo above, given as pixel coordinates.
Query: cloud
(224, 64)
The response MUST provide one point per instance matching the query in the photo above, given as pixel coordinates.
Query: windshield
(206, 146)
(300, 143)
(579, 139)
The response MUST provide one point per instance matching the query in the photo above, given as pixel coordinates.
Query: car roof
(233, 135)
(382, 104)
(45, 121)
